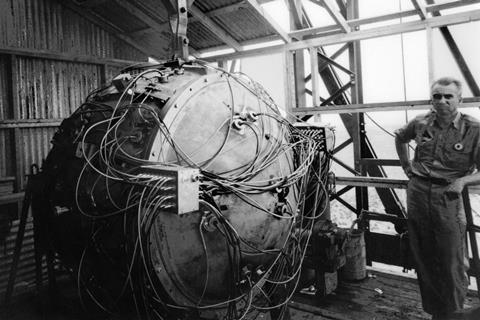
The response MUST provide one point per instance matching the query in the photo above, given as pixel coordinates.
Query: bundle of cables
(111, 138)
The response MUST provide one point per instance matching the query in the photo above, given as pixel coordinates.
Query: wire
(272, 178)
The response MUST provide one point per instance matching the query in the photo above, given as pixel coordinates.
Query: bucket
(355, 267)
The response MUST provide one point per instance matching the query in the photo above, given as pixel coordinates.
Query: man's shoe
(467, 314)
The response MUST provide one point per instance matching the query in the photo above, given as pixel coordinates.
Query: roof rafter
(213, 13)
(134, 10)
(226, 9)
(336, 15)
(158, 27)
(270, 38)
(215, 28)
(89, 3)
(433, 22)
(296, 11)
(390, 16)
(420, 9)
(284, 35)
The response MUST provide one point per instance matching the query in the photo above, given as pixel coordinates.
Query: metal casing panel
(182, 187)
(187, 190)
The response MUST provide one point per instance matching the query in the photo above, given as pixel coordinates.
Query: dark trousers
(436, 227)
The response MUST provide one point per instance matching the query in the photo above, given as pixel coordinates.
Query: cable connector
(239, 125)
(252, 116)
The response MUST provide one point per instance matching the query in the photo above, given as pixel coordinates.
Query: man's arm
(402, 151)
(456, 187)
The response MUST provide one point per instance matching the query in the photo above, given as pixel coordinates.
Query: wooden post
(17, 156)
(472, 235)
(357, 97)
(289, 84)
(315, 77)
(431, 62)
(18, 246)
(222, 64)
(103, 74)
(300, 93)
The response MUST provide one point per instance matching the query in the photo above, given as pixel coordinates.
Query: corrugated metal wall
(36, 92)
(47, 25)
(53, 89)
(36, 144)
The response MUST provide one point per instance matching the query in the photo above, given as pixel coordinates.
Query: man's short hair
(445, 81)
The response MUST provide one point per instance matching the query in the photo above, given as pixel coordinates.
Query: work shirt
(448, 153)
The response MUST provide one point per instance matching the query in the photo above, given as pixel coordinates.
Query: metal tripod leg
(18, 243)
(32, 183)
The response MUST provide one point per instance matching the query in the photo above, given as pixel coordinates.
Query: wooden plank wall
(36, 92)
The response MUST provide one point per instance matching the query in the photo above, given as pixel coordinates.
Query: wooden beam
(215, 28)
(374, 107)
(342, 6)
(342, 145)
(158, 27)
(18, 147)
(52, 55)
(299, 79)
(296, 13)
(434, 22)
(430, 53)
(11, 198)
(360, 141)
(289, 83)
(352, 23)
(457, 55)
(449, 5)
(374, 182)
(270, 38)
(380, 162)
(30, 123)
(331, 60)
(170, 6)
(213, 13)
(298, 20)
(390, 16)
(315, 77)
(278, 29)
(420, 9)
(336, 15)
(90, 3)
(233, 65)
(142, 15)
(227, 9)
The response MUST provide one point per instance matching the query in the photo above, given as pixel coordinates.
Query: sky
(395, 68)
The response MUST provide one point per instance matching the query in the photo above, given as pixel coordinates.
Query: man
(446, 156)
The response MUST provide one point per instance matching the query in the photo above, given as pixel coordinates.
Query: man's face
(445, 99)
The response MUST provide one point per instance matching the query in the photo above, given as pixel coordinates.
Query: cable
(283, 167)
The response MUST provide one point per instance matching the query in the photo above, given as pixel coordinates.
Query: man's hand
(402, 151)
(455, 189)
(408, 170)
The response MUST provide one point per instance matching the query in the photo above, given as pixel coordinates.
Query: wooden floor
(380, 296)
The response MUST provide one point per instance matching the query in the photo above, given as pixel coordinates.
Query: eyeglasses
(438, 96)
